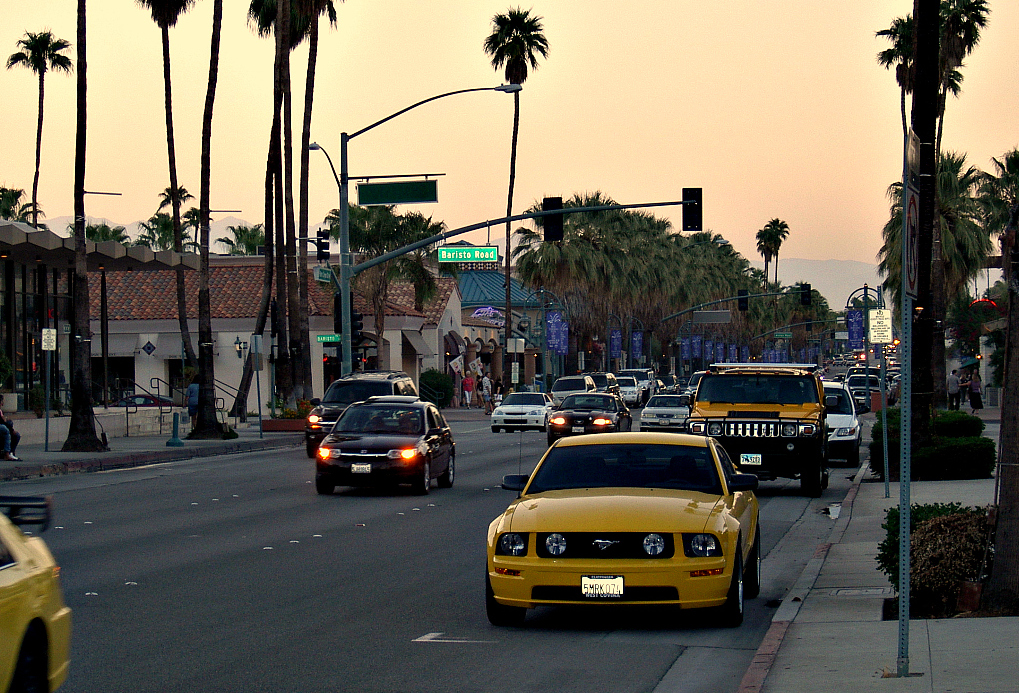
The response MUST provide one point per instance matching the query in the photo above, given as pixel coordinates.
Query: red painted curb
(753, 679)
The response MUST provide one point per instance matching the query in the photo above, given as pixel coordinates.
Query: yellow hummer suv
(770, 418)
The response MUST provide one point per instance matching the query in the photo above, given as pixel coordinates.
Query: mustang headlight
(600, 421)
(701, 545)
(556, 544)
(654, 544)
(511, 544)
(559, 420)
(714, 429)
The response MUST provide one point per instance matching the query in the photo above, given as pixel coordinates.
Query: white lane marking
(434, 637)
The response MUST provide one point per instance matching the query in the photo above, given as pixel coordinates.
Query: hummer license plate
(750, 458)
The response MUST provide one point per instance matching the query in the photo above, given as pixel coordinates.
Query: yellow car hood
(612, 510)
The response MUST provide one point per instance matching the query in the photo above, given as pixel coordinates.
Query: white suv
(571, 384)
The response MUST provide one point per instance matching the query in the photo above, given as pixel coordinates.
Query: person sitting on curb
(9, 439)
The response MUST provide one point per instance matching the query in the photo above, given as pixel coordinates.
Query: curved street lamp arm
(423, 102)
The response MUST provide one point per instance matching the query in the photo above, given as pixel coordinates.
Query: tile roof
(235, 291)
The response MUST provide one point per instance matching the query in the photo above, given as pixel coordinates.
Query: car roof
(643, 438)
(393, 399)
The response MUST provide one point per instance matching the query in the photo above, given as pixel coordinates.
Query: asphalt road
(232, 574)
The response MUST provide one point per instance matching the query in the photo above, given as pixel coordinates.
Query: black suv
(355, 387)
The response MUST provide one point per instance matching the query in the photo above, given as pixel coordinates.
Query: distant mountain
(834, 279)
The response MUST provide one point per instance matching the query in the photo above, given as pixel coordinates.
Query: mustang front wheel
(732, 610)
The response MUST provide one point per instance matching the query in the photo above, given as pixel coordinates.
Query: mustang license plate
(578, 429)
(361, 468)
(602, 586)
(751, 458)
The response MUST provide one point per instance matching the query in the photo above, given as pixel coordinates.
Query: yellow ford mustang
(35, 625)
(634, 518)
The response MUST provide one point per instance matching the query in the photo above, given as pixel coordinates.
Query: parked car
(844, 431)
(623, 518)
(387, 440)
(144, 400)
(593, 412)
(629, 390)
(522, 411)
(570, 384)
(665, 413)
(344, 392)
(35, 624)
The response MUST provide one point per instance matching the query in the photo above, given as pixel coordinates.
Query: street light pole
(346, 274)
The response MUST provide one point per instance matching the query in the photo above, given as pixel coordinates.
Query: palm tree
(99, 233)
(900, 56)
(165, 14)
(13, 207)
(40, 53)
(206, 423)
(766, 247)
(246, 239)
(778, 232)
(961, 22)
(999, 192)
(157, 233)
(81, 428)
(516, 42)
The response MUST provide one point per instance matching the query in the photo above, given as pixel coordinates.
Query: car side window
(6, 559)
(432, 423)
(725, 463)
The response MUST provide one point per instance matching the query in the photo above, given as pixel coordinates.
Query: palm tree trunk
(776, 269)
(292, 294)
(309, 95)
(1003, 587)
(509, 262)
(207, 424)
(38, 152)
(178, 242)
(81, 429)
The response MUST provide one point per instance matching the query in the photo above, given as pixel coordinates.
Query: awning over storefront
(418, 342)
(117, 345)
(454, 344)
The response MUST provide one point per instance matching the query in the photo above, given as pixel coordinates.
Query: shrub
(888, 550)
(436, 387)
(958, 451)
(944, 551)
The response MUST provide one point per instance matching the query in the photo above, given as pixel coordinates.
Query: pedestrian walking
(954, 390)
(468, 387)
(192, 395)
(976, 392)
(486, 393)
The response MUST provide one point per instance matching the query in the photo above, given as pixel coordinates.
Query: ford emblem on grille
(364, 452)
(603, 544)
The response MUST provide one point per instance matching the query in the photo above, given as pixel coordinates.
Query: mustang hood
(622, 510)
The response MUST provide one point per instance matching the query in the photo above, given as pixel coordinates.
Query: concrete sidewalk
(828, 634)
(135, 451)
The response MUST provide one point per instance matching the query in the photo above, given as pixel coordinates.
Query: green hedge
(959, 451)
(888, 549)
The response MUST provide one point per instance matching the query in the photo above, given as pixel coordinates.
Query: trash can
(875, 400)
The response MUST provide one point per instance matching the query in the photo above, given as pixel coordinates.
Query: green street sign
(323, 274)
(328, 337)
(398, 192)
(466, 253)
(783, 335)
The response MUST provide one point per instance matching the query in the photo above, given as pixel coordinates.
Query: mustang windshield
(627, 466)
(381, 420)
(589, 402)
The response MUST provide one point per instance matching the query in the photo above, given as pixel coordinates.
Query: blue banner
(720, 352)
(636, 344)
(854, 321)
(684, 348)
(709, 350)
(615, 344)
(697, 346)
(564, 339)
(746, 354)
(733, 353)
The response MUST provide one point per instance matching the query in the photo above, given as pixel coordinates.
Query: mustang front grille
(605, 545)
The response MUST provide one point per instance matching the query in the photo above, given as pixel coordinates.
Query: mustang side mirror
(743, 482)
(516, 482)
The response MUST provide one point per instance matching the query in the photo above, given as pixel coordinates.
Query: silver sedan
(522, 411)
(665, 413)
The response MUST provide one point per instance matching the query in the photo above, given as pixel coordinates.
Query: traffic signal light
(692, 217)
(552, 223)
(810, 325)
(274, 319)
(322, 245)
(743, 300)
(337, 313)
(805, 295)
(356, 324)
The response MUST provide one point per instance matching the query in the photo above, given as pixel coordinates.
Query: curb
(757, 673)
(146, 457)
